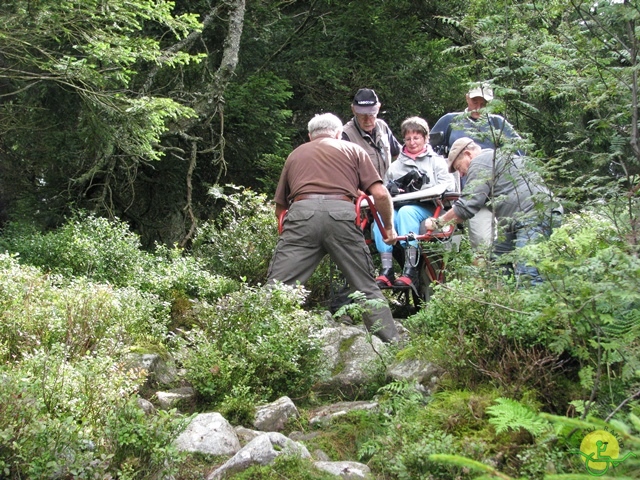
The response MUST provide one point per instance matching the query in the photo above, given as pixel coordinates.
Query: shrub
(593, 297)
(64, 419)
(106, 251)
(173, 274)
(39, 311)
(240, 241)
(402, 448)
(477, 333)
(88, 246)
(285, 466)
(257, 338)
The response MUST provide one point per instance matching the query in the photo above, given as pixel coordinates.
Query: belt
(315, 196)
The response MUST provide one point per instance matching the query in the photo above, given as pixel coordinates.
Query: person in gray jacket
(514, 193)
(370, 132)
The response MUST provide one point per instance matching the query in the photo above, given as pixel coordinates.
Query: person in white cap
(371, 132)
(488, 130)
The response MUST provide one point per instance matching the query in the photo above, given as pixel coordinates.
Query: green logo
(600, 450)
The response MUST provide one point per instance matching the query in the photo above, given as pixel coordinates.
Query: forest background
(140, 112)
(136, 109)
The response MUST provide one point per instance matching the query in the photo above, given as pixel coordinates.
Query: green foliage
(38, 310)
(463, 462)
(85, 245)
(509, 414)
(107, 251)
(79, 114)
(285, 466)
(358, 307)
(143, 445)
(238, 407)
(593, 298)
(259, 129)
(570, 431)
(174, 274)
(255, 338)
(80, 419)
(402, 448)
(240, 242)
(474, 336)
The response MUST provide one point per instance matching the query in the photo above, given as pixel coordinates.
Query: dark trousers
(315, 228)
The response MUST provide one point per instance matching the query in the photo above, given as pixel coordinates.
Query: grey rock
(320, 456)
(171, 398)
(423, 373)
(262, 450)
(303, 437)
(274, 416)
(146, 406)
(209, 433)
(159, 372)
(346, 470)
(325, 414)
(414, 369)
(245, 435)
(351, 359)
(328, 319)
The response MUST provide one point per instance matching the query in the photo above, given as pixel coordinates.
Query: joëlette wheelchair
(432, 245)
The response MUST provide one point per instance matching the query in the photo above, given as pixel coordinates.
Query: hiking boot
(409, 277)
(386, 278)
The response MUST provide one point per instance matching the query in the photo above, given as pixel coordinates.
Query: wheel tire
(423, 287)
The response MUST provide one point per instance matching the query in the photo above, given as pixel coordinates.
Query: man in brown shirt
(318, 185)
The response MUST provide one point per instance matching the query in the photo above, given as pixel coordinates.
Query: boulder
(325, 414)
(209, 433)
(353, 359)
(346, 470)
(274, 416)
(171, 398)
(262, 450)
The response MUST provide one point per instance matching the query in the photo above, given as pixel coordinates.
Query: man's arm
(474, 196)
(446, 219)
(384, 206)
(396, 147)
(279, 209)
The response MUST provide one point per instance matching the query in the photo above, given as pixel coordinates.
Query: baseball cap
(484, 91)
(459, 146)
(366, 102)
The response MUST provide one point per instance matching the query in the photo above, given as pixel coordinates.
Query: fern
(510, 414)
(627, 323)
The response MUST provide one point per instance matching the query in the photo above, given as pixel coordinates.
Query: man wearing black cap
(370, 132)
